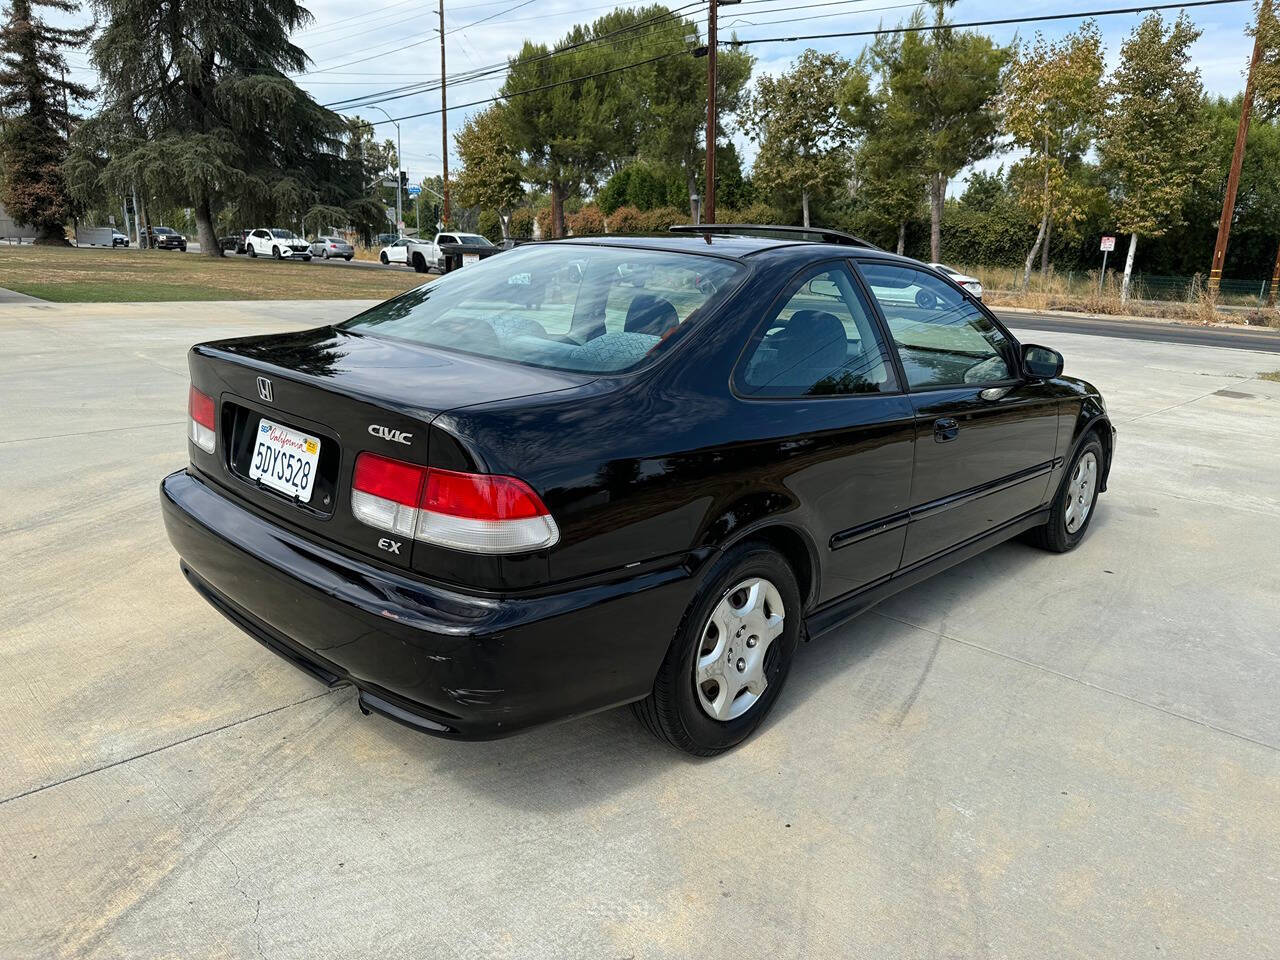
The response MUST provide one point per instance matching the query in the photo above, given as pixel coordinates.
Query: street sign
(413, 190)
(1108, 244)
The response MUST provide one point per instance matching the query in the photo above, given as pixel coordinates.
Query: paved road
(1027, 756)
(1237, 338)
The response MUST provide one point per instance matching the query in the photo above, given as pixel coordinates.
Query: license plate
(470, 258)
(285, 460)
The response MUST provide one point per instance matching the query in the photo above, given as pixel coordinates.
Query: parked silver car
(327, 247)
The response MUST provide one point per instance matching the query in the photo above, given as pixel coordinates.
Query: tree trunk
(902, 237)
(209, 245)
(1031, 257)
(557, 209)
(804, 205)
(1128, 268)
(504, 221)
(937, 194)
(1044, 250)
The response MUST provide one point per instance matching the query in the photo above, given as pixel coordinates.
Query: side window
(822, 342)
(942, 338)
(445, 238)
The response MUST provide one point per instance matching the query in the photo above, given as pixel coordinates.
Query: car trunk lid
(342, 394)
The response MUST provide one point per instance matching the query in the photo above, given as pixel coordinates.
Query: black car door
(827, 402)
(985, 436)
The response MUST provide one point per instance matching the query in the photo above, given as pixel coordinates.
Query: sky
(370, 33)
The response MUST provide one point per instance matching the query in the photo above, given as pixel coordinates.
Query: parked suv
(277, 243)
(535, 488)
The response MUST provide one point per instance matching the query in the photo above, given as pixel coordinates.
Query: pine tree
(199, 111)
(35, 101)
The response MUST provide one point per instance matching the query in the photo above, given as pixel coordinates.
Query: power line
(546, 86)
(398, 93)
(1007, 21)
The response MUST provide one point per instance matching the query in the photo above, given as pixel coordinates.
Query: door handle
(945, 429)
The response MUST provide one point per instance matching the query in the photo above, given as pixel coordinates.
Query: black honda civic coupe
(603, 471)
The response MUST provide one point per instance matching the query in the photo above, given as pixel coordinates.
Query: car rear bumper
(445, 662)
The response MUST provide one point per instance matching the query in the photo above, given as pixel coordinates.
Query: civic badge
(264, 389)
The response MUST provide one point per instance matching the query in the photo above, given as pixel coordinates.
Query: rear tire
(419, 264)
(348, 259)
(714, 642)
(326, 254)
(1075, 501)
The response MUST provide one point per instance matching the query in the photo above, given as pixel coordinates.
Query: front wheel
(730, 655)
(1073, 506)
(383, 257)
(275, 253)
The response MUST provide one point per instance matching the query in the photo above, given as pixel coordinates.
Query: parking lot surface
(1027, 756)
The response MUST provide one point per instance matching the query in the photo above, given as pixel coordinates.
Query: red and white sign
(1108, 244)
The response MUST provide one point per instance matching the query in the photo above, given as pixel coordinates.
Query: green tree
(948, 81)
(35, 99)
(803, 136)
(198, 110)
(1154, 136)
(491, 168)
(889, 178)
(1050, 106)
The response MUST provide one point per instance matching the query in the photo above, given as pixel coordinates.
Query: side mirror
(1040, 363)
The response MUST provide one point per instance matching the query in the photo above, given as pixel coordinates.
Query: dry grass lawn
(71, 275)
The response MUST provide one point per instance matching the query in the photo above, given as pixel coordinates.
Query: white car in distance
(972, 284)
(276, 243)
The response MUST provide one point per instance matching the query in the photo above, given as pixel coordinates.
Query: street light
(399, 161)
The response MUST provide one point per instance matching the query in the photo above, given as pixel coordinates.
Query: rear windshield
(581, 308)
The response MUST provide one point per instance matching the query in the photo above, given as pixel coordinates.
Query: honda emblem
(264, 389)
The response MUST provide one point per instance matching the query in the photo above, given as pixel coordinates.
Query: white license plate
(285, 460)
(470, 258)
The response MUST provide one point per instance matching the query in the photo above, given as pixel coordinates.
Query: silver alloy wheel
(1080, 488)
(729, 668)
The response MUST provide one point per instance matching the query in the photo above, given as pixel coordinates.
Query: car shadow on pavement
(587, 761)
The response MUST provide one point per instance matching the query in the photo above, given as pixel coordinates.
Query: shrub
(543, 216)
(758, 213)
(521, 225)
(588, 221)
(659, 220)
(625, 220)
(489, 226)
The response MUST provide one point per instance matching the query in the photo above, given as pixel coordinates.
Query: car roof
(737, 246)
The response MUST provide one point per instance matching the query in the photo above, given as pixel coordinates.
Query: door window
(822, 342)
(942, 338)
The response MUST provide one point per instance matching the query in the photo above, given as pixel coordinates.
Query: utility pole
(709, 195)
(1237, 161)
(444, 124)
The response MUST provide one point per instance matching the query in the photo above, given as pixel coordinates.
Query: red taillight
(388, 479)
(476, 512)
(202, 428)
(480, 496)
(200, 406)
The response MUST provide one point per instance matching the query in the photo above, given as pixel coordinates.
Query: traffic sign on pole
(1108, 244)
(413, 190)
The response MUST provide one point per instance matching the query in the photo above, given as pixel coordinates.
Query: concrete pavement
(1027, 756)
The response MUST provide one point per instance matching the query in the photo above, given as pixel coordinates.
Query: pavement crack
(1082, 682)
(162, 747)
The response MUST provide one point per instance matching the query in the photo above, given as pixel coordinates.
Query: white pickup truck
(425, 255)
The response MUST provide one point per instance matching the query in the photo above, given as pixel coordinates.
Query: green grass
(70, 275)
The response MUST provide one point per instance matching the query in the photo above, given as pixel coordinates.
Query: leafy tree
(198, 110)
(35, 98)
(1153, 136)
(947, 81)
(803, 136)
(1050, 106)
(889, 182)
(491, 168)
